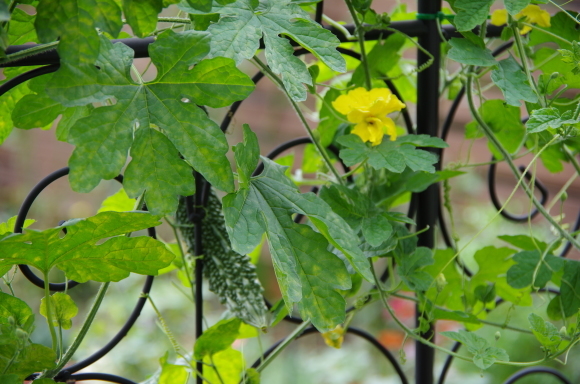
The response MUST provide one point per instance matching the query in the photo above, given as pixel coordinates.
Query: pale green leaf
(524, 242)
(411, 268)
(228, 363)
(450, 295)
(78, 255)
(252, 376)
(471, 13)
(560, 25)
(217, 338)
(545, 118)
(244, 22)
(8, 226)
(21, 28)
(484, 355)
(118, 202)
(142, 15)
(62, 309)
(172, 374)
(549, 62)
(546, 333)
(465, 52)
(512, 81)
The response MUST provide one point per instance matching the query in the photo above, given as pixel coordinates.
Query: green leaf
(172, 373)
(572, 57)
(531, 269)
(513, 82)
(560, 25)
(381, 59)
(308, 274)
(466, 52)
(471, 13)
(21, 28)
(230, 365)
(423, 141)
(142, 15)
(546, 332)
(485, 293)
(14, 307)
(524, 242)
(411, 269)
(9, 100)
(545, 118)
(12, 379)
(484, 355)
(389, 154)
(217, 338)
(493, 264)
(440, 314)
(515, 6)
(244, 22)
(450, 295)
(62, 309)
(69, 118)
(78, 255)
(570, 288)
(252, 376)
(329, 122)
(31, 359)
(201, 5)
(35, 111)
(247, 155)
(376, 229)
(118, 202)
(167, 176)
(549, 63)
(169, 103)
(8, 225)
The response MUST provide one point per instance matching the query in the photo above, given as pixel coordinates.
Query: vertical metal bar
(427, 201)
(198, 250)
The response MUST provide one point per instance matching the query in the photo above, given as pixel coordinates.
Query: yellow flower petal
(362, 131)
(391, 129)
(357, 116)
(536, 15)
(499, 17)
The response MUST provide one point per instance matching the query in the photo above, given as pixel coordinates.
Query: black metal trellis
(425, 206)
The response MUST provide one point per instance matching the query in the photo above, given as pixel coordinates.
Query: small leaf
(118, 202)
(545, 118)
(411, 269)
(546, 333)
(62, 308)
(8, 226)
(247, 154)
(512, 81)
(465, 52)
(142, 15)
(376, 229)
(217, 338)
(484, 355)
(485, 293)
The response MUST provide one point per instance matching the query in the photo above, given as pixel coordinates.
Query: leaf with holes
(243, 23)
(168, 103)
(79, 255)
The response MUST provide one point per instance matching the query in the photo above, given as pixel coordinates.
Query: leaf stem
(361, 40)
(82, 333)
(297, 332)
(316, 143)
(524, 60)
(507, 157)
(49, 312)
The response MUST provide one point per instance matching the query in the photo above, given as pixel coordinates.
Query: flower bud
(440, 282)
(497, 335)
(563, 331)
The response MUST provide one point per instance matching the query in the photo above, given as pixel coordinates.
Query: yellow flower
(531, 14)
(368, 110)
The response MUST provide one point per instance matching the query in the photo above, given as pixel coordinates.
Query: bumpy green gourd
(231, 276)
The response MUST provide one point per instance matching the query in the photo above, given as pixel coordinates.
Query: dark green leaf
(484, 355)
(244, 22)
(530, 269)
(217, 338)
(524, 242)
(167, 176)
(201, 5)
(411, 269)
(78, 255)
(376, 229)
(465, 52)
(168, 102)
(35, 111)
(142, 15)
(554, 309)
(31, 359)
(69, 118)
(546, 333)
(471, 13)
(485, 293)
(12, 379)
(247, 154)
(513, 82)
(422, 141)
(570, 288)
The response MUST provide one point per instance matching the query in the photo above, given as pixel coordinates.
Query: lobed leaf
(512, 81)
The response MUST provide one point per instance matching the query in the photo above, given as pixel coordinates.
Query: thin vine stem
(361, 40)
(524, 59)
(35, 50)
(49, 315)
(298, 111)
(507, 157)
(297, 332)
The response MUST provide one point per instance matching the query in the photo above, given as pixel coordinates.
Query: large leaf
(244, 22)
(512, 81)
(79, 255)
(484, 355)
(392, 155)
(169, 102)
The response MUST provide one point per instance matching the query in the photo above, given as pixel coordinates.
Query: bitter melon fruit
(231, 276)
